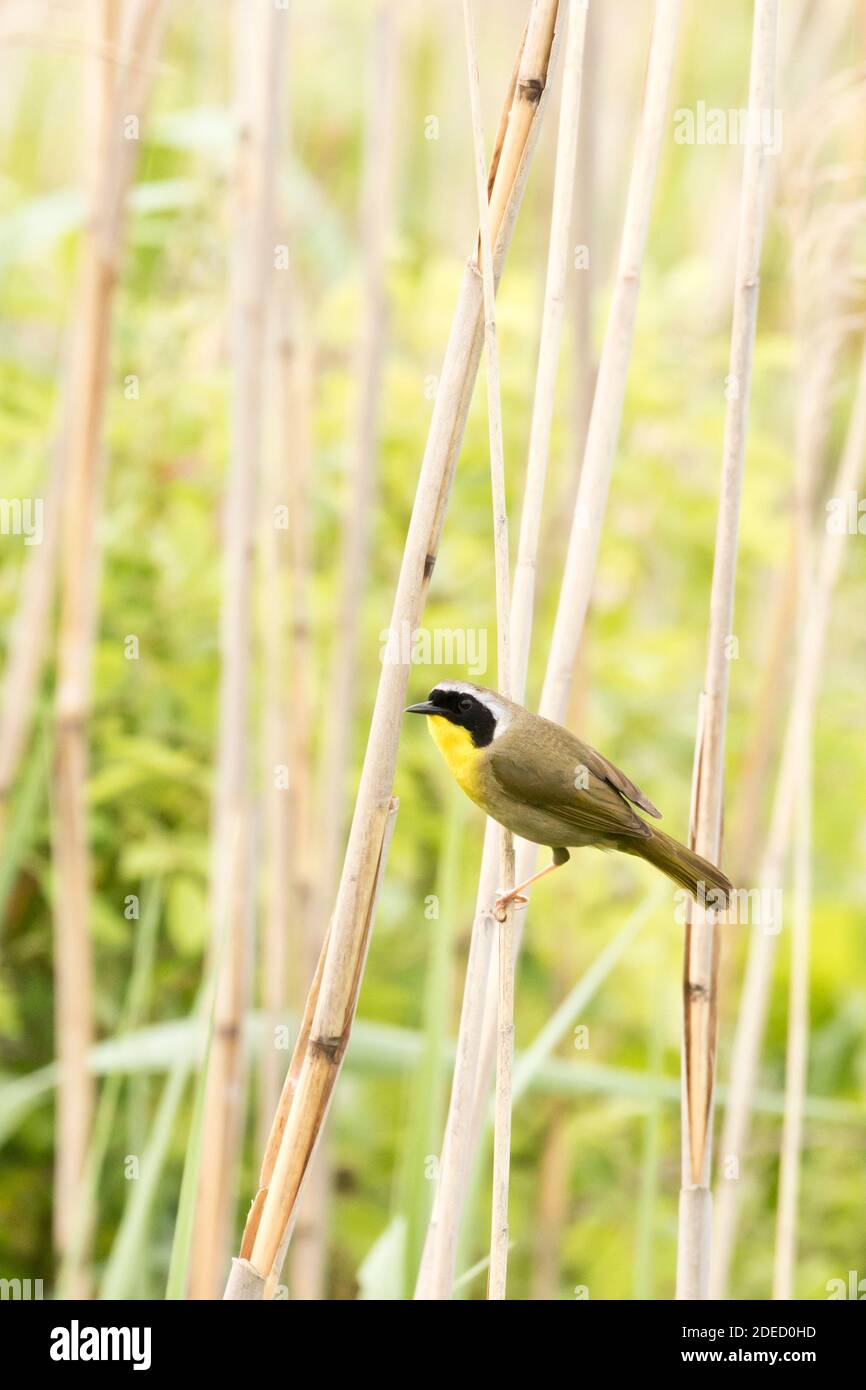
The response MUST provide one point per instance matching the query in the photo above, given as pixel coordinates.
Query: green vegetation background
(153, 724)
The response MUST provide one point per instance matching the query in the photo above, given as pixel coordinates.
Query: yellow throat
(456, 746)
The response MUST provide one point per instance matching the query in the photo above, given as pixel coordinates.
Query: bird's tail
(702, 879)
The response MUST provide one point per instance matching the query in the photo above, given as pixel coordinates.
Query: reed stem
(477, 1036)
(702, 944)
(123, 93)
(260, 46)
(752, 1017)
(273, 1212)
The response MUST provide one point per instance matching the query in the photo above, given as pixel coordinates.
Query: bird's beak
(426, 707)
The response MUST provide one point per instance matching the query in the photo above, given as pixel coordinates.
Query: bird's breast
(463, 758)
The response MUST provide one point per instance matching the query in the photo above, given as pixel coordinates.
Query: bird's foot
(504, 899)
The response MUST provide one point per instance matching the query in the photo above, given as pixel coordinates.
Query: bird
(546, 785)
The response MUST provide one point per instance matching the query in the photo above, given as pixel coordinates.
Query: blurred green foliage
(153, 722)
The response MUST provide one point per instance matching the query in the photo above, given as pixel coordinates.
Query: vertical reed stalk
(585, 221)
(122, 95)
(554, 1165)
(342, 685)
(753, 1010)
(30, 629)
(476, 1038)
(552, 1205)
(652, 1144)
(613, 369)
(497, 1273)
(291, 942)
(260, 49)
(701, 951)
(281, 918)
(296, 401)
(272, 1214)
(428, 1090)
(819, 297)
(745, 819)
(558, 262)
(302, 935)
(798, 1012)
(376, 212)
(820, 293)
(825, 278)
(269, 1225)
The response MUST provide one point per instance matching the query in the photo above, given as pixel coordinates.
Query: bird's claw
(504, 899)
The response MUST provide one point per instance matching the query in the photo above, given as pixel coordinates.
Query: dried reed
(123, 95)
(476, 1038)
(701, 949)
(260, 53)
(298, 1124)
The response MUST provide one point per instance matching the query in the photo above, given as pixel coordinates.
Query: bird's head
(482, 713)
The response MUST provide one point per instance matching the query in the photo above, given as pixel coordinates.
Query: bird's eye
(465, 704)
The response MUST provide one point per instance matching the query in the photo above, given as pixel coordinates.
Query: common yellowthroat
(546, 785)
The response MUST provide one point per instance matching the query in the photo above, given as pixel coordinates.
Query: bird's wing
(583, 795)
(608, 773)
